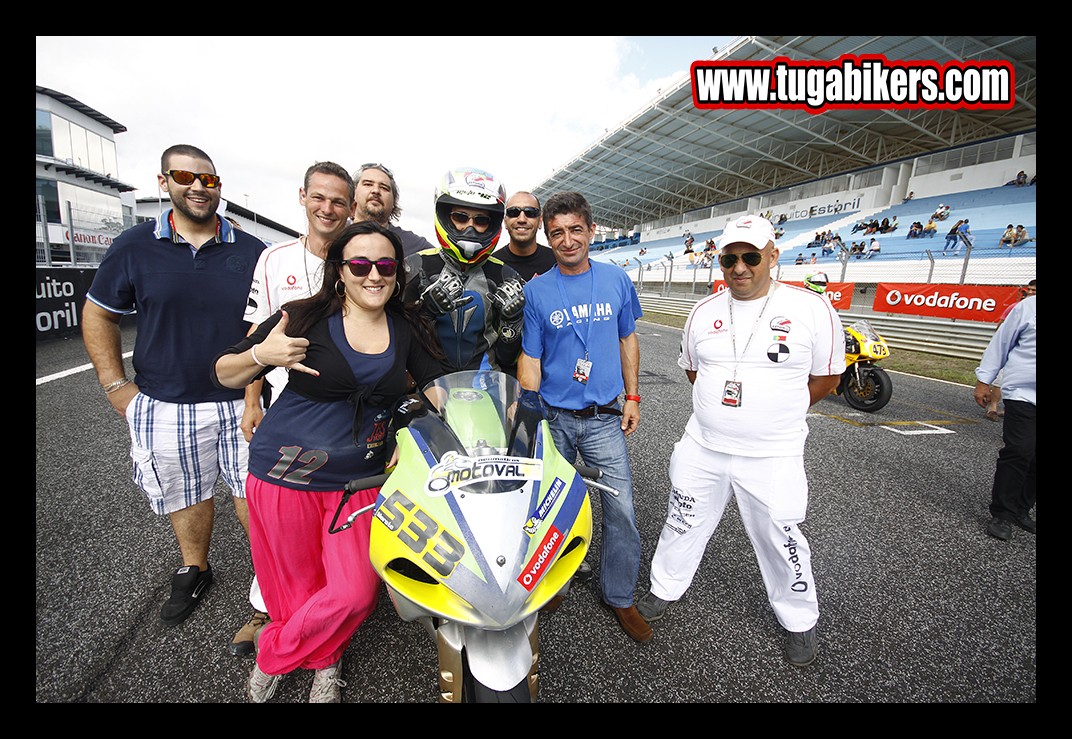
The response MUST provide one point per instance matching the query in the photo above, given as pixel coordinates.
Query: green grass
(951, 369)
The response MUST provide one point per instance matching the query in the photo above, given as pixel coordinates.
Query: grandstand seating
(988, 211)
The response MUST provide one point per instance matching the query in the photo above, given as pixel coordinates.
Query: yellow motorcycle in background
(865, 386)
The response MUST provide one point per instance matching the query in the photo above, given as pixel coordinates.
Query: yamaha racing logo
(457, 471)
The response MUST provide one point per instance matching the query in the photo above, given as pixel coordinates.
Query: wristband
(253, 353)
(633, 397)
(111, 387)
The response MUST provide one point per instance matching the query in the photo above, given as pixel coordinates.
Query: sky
(266, 107)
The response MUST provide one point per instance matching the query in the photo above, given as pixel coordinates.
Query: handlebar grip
(590, 472)
(364, 483)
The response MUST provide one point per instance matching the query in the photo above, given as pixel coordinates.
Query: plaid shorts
(181, 450)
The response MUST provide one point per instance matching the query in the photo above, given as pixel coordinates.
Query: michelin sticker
(456, 471)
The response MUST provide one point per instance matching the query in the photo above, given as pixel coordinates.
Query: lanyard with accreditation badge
(732, 392)
(583, 368)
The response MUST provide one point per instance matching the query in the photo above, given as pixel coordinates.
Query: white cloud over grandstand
(265, 108)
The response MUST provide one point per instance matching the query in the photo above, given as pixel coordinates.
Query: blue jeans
(601, 444)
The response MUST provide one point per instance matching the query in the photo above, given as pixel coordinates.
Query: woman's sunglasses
(751, 258)
(360, 267)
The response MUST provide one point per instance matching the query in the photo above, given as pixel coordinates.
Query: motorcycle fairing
(442, 533)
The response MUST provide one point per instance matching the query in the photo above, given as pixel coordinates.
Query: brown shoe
(242, 645)
(552, 605)
(633, 623)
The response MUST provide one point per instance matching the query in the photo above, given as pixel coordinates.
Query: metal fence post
(44, 230)
(70, 231)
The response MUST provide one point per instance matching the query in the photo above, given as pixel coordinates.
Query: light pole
(256, 228)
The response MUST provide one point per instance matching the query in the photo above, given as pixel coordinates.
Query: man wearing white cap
(758, 356)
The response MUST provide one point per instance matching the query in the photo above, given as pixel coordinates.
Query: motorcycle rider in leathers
(475, 300)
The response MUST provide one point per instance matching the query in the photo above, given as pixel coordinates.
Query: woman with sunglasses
(348, 349)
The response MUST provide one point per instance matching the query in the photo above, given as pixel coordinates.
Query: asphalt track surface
(918, 604)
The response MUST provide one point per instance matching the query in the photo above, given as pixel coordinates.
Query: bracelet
(111, 387)
(253, 353)
(633, 397)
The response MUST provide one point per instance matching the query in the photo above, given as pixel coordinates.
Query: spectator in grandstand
(799, 259)
(908, 197)
(857, 249)
(1021, 178)
(891, 226)
(951, 238)
(993, 410)
(964, 237)
(860, 225)
(1022, 237)
(915, 231)
(874, 249)
(872, 227)
(779, 233)
(930, 229)
(1012, 353)
(688, 250)
(942, 213)
(884, 227)
(1008, 237)
(828, 248)
(814, 259)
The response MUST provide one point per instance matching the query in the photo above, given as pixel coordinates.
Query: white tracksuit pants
(772, 497)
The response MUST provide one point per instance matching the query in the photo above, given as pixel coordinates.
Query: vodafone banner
(838, 293)
(964, 302)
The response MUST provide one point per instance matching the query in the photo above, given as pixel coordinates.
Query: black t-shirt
(540, 261)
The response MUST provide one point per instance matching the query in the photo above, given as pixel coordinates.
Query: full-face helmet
(816, 282)
(471, 188)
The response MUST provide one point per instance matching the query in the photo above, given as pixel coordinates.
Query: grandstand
(902, 259)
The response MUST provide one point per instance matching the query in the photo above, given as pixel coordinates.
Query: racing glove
(444, 294)
(509, 302)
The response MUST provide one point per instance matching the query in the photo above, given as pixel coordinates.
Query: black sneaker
(801, 648)
(583, 573)
(999, 528)
(188, 584)
(652, 607)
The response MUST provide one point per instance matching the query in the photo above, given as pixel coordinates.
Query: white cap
(752, 230)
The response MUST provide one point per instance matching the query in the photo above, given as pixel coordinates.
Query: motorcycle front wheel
(475, 692)
(873, 391)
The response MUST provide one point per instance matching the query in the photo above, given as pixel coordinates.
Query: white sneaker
(328, 685)
(261, 686)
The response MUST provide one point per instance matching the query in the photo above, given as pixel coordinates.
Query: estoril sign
(60, 295)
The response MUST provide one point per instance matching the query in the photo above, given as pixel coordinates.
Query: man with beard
(376, 199)
(186, 277)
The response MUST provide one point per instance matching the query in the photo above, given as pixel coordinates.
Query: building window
(44, 133)
(46, 190)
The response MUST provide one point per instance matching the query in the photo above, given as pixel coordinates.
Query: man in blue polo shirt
(187, 278)
(580, 351)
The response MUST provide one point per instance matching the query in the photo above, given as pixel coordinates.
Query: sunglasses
(462, 219)
(751, 258)
(377, 165)
(187, 178)
(360, 267)
(515, 212)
